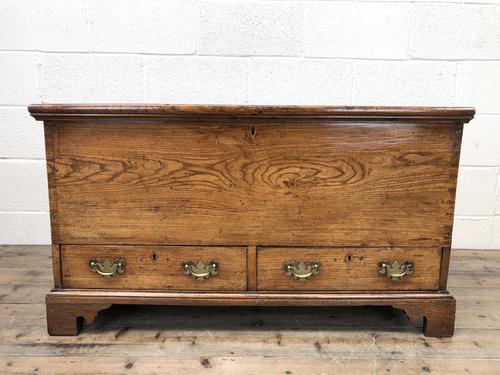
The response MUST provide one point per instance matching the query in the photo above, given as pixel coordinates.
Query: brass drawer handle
(107, 268)
(200, 270)
(395, 271)
(301, 271)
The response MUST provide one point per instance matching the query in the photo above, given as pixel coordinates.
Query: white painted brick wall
(495, 234)
(195, 80)
(403, 83)
(497, 198)
(360, 30)
(90, 78)
(150, 26)
(25, 227)
(48, 25)
(22, 188)
(478, 84)
(250, 28)
(18, 78)
(21, 136)
(299, 81)
(481, 141)
(455, 31)
(472, 232)
(476, 191)
(392, 52)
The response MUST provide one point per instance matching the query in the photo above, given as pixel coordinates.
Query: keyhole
(348, 257)
(155, 257)
(253, 132)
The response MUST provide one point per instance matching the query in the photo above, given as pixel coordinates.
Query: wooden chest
(251, 205)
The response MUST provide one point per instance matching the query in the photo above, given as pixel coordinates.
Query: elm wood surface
(254, 176)
(156, 339)
(445, 265)
(348, 269)
(370, 184)
(156, 267)
(64, 308)
(67, 321)
(177, 111)
(56, 266)
(252, 267)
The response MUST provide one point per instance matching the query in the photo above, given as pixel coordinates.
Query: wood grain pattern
(56, 266)
(352, 269)
(456, 136)
(51, 140)
(247, 365)
(157, 267)
(437, 309)
(379, 180)
(165, 112)
(69, 320)
(252, 268)
(213, 184)
(445, 265)
(185, 340)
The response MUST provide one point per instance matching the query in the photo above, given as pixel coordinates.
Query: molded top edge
(69, 111)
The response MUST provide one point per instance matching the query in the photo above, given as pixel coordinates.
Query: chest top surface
(169, 111)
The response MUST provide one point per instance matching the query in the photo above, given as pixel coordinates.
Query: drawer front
(350, 269)
(154, 267)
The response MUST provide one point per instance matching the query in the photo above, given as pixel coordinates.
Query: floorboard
(184, 340)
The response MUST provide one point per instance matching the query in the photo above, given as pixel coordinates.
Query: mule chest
(251, 205)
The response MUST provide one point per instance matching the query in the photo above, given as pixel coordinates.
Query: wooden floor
(168, 340)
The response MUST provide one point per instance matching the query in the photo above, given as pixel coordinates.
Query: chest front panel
(241, 183)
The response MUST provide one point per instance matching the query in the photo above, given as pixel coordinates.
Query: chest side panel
(240, 183)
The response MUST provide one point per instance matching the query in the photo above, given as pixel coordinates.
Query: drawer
(349, 269)
(154, 267)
